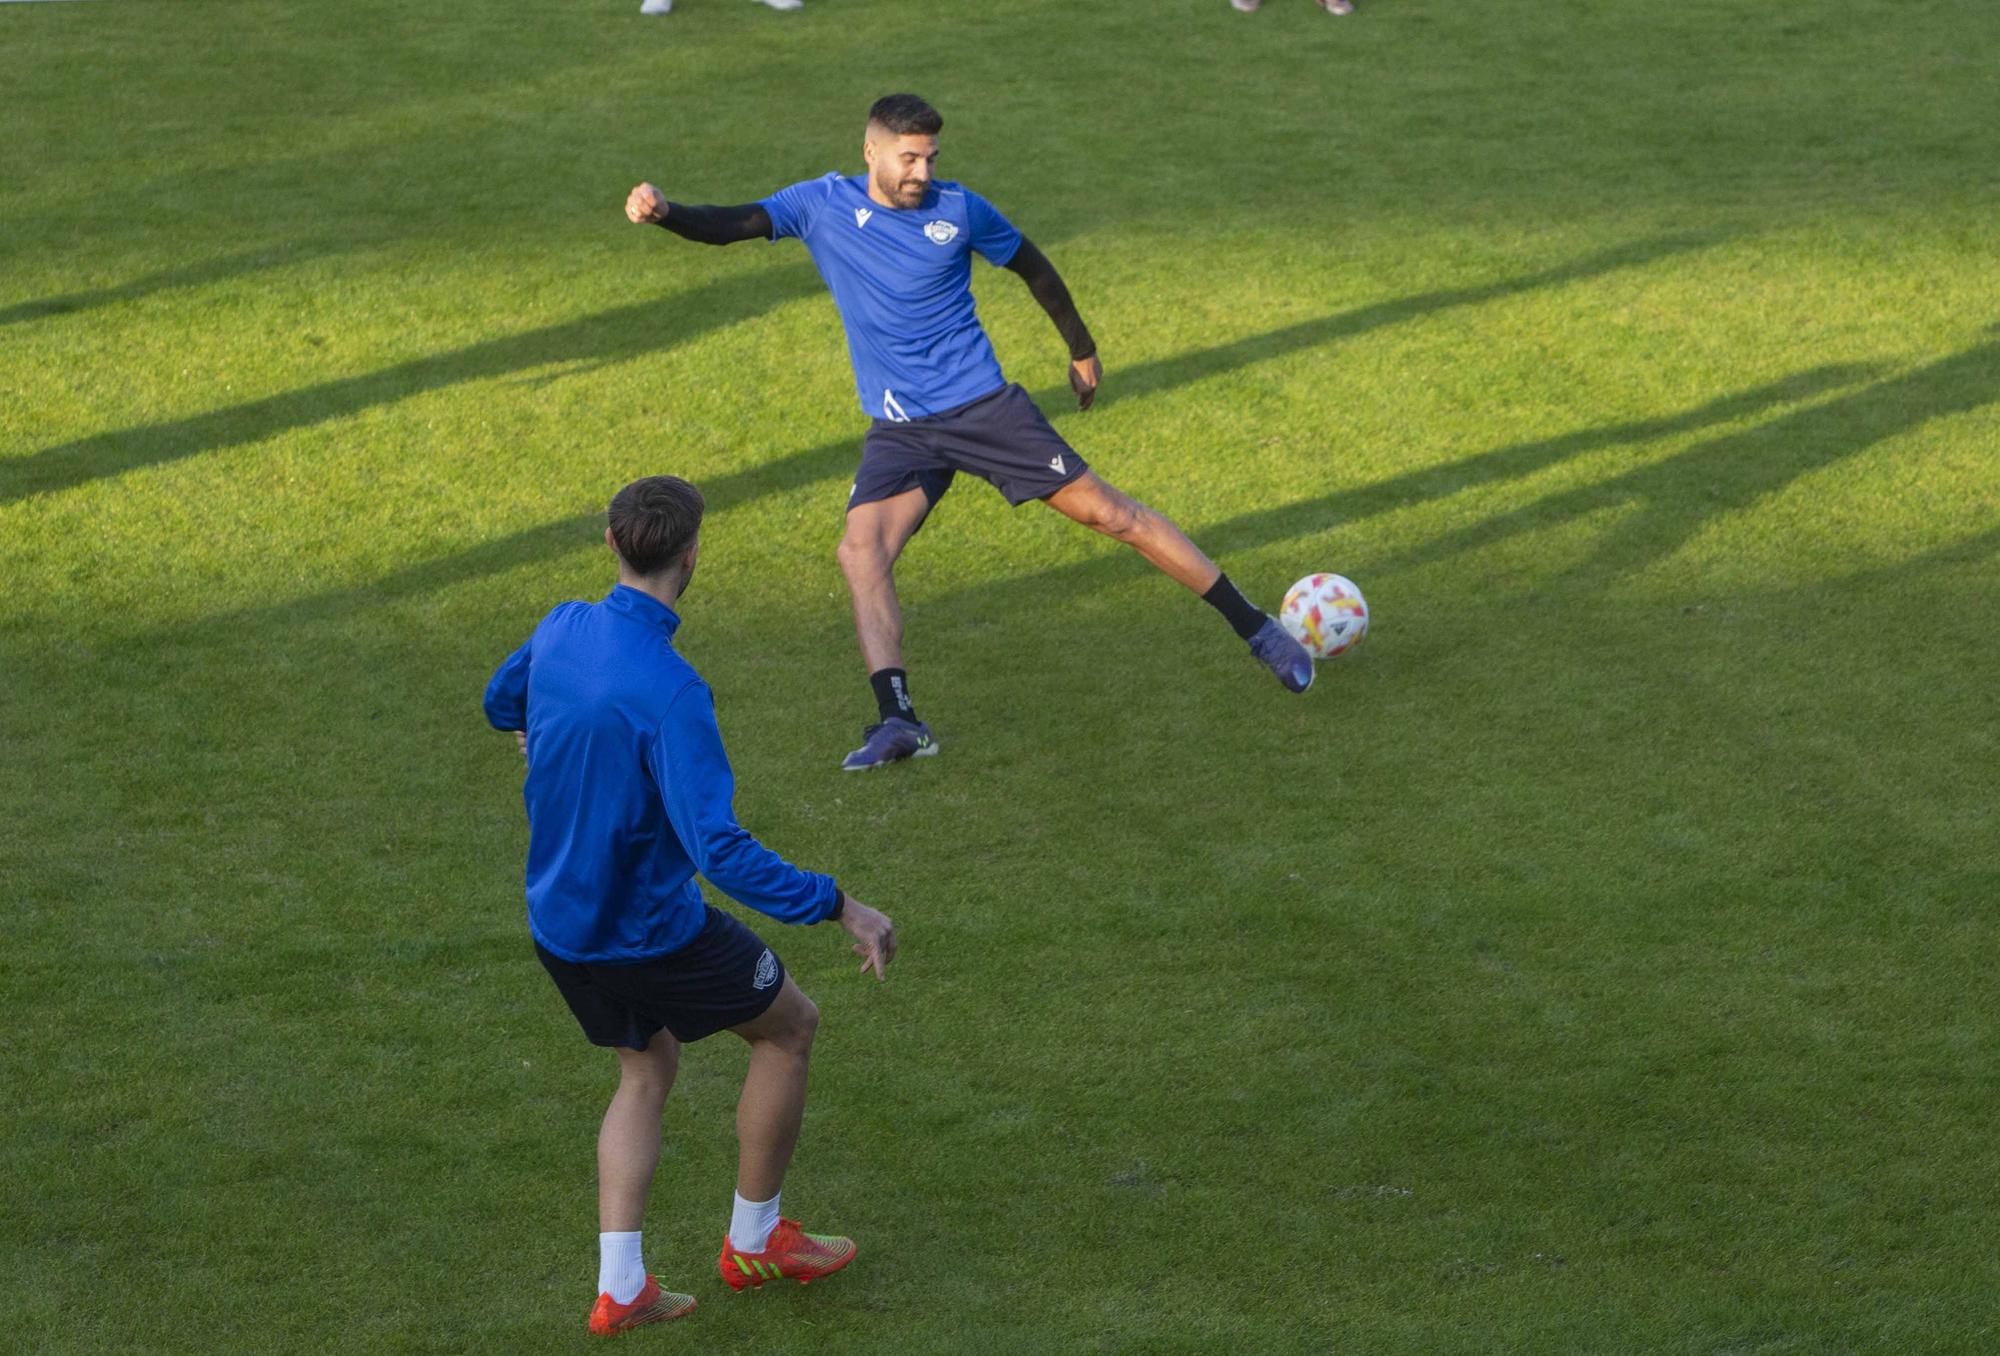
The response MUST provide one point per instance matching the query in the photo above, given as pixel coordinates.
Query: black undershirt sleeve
(1046, 285)
(718, 225)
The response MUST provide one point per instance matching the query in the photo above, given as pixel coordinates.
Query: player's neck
(664, 589)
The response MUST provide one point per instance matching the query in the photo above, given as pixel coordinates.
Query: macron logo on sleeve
(861, 215)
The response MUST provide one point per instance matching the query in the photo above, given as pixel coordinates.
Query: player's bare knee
(801, 1025)
(1121, 518)
(650, 1075)
(643, 1081)
(862, 557)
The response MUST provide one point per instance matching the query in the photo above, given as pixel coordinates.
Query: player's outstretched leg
(761, 1244)
(876, 534)
(628, 1149)
(1102, 507)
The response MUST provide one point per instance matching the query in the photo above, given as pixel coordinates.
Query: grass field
(1599, 961)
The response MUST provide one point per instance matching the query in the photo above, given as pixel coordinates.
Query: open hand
(874, 936)
(645, 204)
(1084, 374)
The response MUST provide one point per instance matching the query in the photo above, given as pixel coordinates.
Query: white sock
(621, 1273)
(751, 1222)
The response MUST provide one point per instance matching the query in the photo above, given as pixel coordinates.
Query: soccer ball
(1326, 614)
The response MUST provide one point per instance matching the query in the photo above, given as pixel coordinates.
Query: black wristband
(839, 903)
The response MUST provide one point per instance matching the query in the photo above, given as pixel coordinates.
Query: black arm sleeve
(719, 225)
(1047, 287)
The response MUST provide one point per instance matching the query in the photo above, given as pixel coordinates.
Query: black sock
(1234, 607)
(892, 693)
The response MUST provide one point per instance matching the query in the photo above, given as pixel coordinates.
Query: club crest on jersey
(940, 232)
(767, 971)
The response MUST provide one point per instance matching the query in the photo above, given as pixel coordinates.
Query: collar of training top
(625, 598)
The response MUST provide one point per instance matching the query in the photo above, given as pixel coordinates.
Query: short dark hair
(906, 115)
(653, 521)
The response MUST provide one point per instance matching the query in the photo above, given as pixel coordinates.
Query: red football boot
(790, 1252)
(650, 1305)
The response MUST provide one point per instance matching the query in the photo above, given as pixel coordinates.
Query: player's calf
(1102, 507)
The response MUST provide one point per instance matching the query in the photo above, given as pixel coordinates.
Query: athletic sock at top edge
(621, 1270)
(751, 1222)
(1241, 614)
(892, 693)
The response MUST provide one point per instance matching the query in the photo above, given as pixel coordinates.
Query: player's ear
(611, 541)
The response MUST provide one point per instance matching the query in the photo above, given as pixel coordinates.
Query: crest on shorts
(940, 232)
(767, 971)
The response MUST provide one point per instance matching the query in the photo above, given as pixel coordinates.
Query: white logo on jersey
(767, 971)
(891, 410)
(940, 232)
(861, 215)
(1056, 465)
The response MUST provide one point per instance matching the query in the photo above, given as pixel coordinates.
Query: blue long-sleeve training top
(629, 792)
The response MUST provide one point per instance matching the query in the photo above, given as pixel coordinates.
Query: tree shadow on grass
(1676, 497)
(1163, 374)
(168, 279)
(552, 540)
(541, 544)
(1978, 549)
(1310, 516)
(614, 335)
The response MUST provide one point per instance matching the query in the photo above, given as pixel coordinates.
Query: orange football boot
(789, 1252)
(650, 1305)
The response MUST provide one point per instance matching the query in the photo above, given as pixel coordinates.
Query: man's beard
(905, 194)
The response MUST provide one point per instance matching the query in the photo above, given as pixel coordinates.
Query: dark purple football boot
(890, 741)
(1277, 651)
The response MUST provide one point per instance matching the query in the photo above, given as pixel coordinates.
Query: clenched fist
(645, 204)
(1084, 375)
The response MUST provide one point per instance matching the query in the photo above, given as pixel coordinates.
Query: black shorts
(1002, 438)
(724, 977)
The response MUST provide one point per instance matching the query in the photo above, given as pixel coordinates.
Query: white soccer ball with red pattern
(1326, 614)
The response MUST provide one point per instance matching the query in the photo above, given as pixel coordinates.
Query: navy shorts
(1002, 438)
(724, 977)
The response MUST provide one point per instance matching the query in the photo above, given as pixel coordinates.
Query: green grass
(1599, 961)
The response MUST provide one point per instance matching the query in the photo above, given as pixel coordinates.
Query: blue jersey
(902, 279)
(629, 792)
